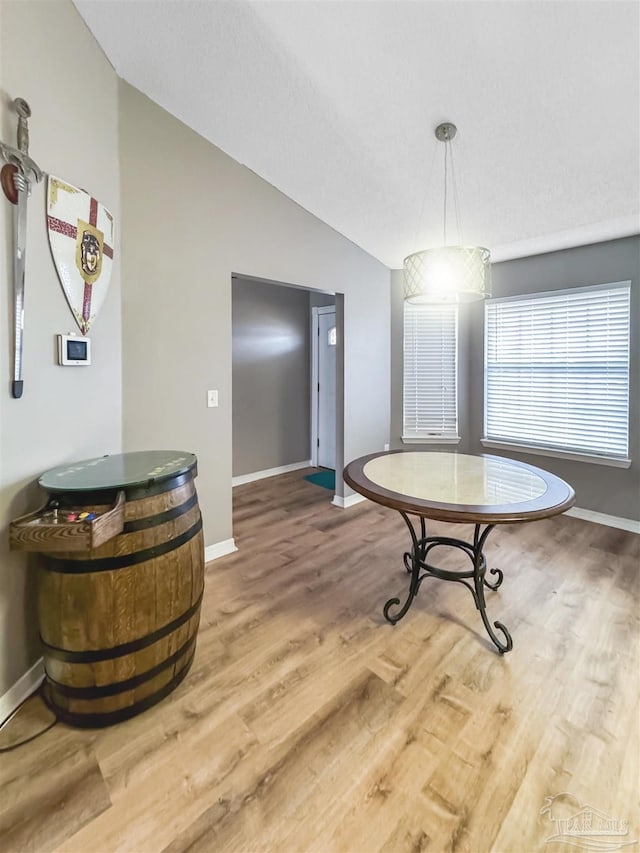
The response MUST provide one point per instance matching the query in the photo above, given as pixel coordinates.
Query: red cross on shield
(81, 236)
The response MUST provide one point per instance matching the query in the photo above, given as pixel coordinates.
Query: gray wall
(48, 57)
(192, 217)
(271, 376)
(614, 491)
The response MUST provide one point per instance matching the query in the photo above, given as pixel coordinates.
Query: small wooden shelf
(48, 531)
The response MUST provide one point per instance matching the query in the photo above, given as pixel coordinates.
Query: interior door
(327, 389)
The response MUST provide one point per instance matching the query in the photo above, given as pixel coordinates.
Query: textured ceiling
(335, 104)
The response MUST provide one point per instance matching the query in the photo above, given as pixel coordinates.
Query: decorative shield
(81, 239)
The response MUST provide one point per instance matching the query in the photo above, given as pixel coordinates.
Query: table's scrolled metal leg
(412, 564)
(415, 563)
(495, 585)
(479, 568)
(422, 544)
(497, 572)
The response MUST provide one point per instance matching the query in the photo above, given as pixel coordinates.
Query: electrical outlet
(386, 447)
(212, 399)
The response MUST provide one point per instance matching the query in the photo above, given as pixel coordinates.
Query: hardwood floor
(308, 723)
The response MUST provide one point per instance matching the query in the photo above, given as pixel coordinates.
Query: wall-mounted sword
(16, 177)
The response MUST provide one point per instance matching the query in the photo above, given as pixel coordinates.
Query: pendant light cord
(456, 203)
(448, 154)
(444, 216)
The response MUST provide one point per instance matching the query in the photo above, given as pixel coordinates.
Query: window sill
(558, 454)
(432, 439)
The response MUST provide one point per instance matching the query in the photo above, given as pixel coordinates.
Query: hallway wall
(271, 376)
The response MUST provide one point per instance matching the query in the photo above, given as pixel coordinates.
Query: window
(430, 407)
(557, 371)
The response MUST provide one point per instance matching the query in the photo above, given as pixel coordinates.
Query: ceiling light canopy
(448, 273)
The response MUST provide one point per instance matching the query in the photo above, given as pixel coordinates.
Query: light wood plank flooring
(310, 724)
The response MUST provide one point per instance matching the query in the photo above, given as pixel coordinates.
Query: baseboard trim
(219, 549)
(269, 472)
(350, 500)
(602, 518)
(24, 687)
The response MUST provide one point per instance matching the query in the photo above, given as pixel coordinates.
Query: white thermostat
(74, 351)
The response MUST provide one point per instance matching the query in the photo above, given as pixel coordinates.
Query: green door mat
(326, 479)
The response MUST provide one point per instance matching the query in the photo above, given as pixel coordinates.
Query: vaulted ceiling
(335, 103)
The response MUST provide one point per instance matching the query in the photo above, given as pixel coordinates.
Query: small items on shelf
(55, 515)
(54, 528)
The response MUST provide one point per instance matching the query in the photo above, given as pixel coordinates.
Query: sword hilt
(19, 156)
(22, 161)
(24, 113)
(22, 184)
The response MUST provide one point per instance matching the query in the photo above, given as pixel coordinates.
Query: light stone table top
(459, 487)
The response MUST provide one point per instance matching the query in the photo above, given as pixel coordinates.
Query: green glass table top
(119, 470)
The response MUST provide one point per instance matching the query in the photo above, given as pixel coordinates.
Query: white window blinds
(557, 370)
(430, 408)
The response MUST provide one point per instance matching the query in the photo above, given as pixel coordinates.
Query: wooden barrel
(118, 622)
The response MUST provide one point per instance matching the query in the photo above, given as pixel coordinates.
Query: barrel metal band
(98, 720)
(98, 692)
(95, 655)
(154, 520)
(108, 564)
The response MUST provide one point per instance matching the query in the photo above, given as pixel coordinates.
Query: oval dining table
(458, 488)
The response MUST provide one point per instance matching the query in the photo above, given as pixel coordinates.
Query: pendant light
(448, 273)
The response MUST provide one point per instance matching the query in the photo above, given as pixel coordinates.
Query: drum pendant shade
(447, 273)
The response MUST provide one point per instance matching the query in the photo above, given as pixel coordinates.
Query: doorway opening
(324, 345)
(275, 376)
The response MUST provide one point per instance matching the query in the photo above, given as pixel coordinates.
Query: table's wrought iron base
(475, 580)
